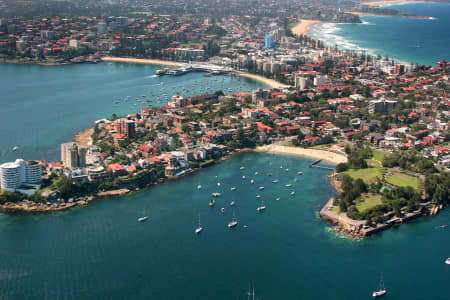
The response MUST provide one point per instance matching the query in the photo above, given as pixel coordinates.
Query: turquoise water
(423, 41)
(42, 107)
(287, 252)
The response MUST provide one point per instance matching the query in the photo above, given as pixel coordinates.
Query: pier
(314, 164)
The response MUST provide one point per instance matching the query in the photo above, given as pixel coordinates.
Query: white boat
(142, 219)
(252, 181)
(261, 188)
(222, 209)
(199, 228)
(233, 222)
(277, 199)
(233, 188)
(261, 207)
(242, 168)
(287, 169)
(292, 193)
(256, 173)
(288, 185)
(212, 202)
(232, 203)
(447, 261)
(258, 196)
(275, 181)
(199, 187)
(299, 173)
(381, 291)
(216, 194)
(281, 167)
(243, 177)
(218, 184)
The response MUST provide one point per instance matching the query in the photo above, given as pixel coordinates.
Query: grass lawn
(336, 209)
(400, 179)
(375, 161)
(367, 202)
(367, 175)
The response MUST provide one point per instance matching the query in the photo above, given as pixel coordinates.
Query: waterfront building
(72, 155)
(13, 175)
(381, 106)
(269, 41)
(126, 127)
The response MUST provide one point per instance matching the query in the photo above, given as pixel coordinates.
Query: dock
(314, 164)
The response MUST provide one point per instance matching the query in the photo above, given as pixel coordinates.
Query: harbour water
(423, 41)
(42, 107)
(286, 252)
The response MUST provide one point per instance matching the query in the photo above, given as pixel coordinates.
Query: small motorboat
(199, 228)
(447, 261)
(218, 184)
(142, 219)
(258, 196)
(261, 188)
(292, 193)
(222, 209)
(233, 188)
(243, 177)
(252, 181)
(242, 168)
(275, 181)
(299, 173)
(212, 202)
(216, 194)
(256, 173)
(277, 199)
(288, 185)
(232, 203)
(199, 187)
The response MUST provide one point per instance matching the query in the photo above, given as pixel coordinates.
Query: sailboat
(199, 228)
(251, 294)
(233, 222)
(381, 290)
(261, 207)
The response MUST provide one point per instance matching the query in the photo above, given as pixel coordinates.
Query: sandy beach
(328, 156)
(269, 82)
(302, 27)
(142, 61)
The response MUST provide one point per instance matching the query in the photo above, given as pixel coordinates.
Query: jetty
(314, 164)
(195, 67)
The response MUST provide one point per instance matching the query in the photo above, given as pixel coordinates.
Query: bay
(423, 41)
(44, 106)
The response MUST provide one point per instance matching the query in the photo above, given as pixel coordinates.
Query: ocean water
(408, 40)
(42, 107)
(286, 252)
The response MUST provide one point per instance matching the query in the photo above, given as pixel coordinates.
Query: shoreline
(141, 61)
(271, 83)
(384, 2)
(302, 27)
(362, 14)
(327, 156)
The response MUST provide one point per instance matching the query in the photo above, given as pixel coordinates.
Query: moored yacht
(199, 228)
(232, 203)
(261, 188)
(199, 187)
(216, 194)
(288, 185)
(212, 202)
(233, 222)
(447, 261)
(261, 207)
(233, 188)
(381, 291)
(275, 181)
(142, 219)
